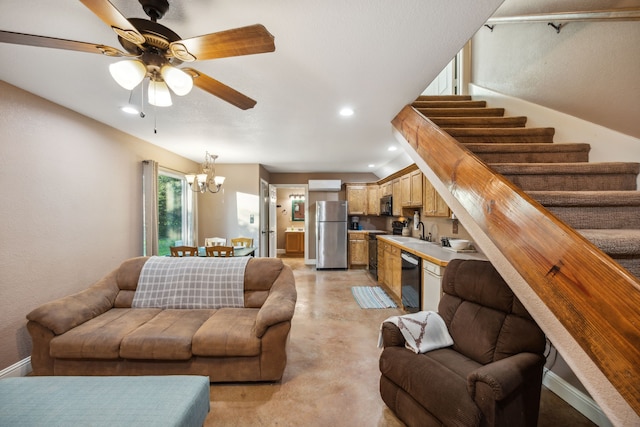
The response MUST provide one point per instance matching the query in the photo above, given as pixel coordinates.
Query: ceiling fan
(154, 51)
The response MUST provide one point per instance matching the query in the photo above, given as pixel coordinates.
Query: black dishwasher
(411, 279)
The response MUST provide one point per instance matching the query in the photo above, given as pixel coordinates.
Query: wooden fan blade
(41, 41)
(220, 90)
(239, 41)
(113, 18)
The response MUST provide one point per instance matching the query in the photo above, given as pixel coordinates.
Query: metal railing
(557, 19)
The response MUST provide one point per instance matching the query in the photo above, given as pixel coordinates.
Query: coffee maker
(355, 222)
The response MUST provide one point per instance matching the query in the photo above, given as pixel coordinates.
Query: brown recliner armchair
(492, 374)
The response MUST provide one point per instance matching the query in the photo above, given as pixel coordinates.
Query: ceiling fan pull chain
(142, 102)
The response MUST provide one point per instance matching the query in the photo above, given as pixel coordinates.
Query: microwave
(386, 206)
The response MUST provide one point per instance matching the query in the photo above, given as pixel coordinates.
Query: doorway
(290, 213)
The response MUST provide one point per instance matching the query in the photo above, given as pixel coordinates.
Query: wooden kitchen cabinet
(373, 199)
(397, 197)
(383, 247)
(294, 242)
(411, 189)
(386, 189)
(357, 199)
(390, 268)
(358, 250)
(396, 272)
(433, 204)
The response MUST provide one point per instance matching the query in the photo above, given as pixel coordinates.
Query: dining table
(237, 251)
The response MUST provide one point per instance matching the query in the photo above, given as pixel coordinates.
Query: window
(175, 211)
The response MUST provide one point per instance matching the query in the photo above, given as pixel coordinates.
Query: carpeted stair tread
(530, 153)
(444, 98)
(615, 243)
(510, 135)
(480, 122)
(586, 198)
(449, 104)
(569, 168)
(593, 209)
(461, 112)
(606, 176)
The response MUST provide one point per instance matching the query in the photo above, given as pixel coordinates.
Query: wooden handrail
(572, 289)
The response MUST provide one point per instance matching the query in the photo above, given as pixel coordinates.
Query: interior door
(265, 219)
(272, 226)
(445, 82)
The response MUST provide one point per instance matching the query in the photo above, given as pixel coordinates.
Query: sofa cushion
(228, 332)
(167, 336)
(423, 376)
(100, 337)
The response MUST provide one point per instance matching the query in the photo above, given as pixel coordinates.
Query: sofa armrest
(280, 304)
(391, 335)
(65, 313)
(505, 376)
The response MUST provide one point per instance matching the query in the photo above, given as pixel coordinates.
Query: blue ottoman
(181, 400)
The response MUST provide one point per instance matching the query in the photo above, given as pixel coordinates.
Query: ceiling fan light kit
(178, 81)
(155, 51)
(159, 94)
(128, 73)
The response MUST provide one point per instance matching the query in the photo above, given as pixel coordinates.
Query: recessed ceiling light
(346, 112)
(130, 109)
(372, 165)
(393, 148)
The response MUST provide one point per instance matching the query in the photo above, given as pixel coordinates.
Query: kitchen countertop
(429, 251)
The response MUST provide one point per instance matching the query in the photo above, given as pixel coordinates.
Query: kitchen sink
(402, 239)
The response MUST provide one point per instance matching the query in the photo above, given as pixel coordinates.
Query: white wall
(589, 70)
(71, 206)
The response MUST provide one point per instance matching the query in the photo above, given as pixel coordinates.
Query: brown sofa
(96, 332)
(492, 374)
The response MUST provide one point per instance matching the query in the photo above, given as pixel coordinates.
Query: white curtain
(150, 207)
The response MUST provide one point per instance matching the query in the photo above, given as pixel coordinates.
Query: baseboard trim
(19, 369)
(574, 397)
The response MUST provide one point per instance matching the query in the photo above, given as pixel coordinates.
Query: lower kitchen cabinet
(358, 250)
(390, 268)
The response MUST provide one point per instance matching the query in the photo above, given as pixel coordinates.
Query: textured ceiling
(372, 55)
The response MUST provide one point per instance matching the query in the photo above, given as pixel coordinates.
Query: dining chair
(180, 251)
(215, 241)
(247, 242)
(221, 251)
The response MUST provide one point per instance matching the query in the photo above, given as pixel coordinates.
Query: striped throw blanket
(422, 331)
(191, 282)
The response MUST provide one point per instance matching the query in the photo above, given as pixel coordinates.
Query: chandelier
(207, 179)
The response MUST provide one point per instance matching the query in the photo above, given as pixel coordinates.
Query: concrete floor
(332, 372)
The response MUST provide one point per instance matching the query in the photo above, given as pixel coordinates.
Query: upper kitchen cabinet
(373, 199)
(396, 203)
(357, 199)
(411, 189)
(433, 204)
(386, 189)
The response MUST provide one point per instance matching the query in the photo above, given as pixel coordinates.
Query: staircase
(598, 200)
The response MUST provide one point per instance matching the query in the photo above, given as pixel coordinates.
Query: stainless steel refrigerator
(331, 234)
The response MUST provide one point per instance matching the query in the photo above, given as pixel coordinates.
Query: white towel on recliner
(422, 331)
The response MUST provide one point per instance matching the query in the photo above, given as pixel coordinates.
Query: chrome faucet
(421, 224)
